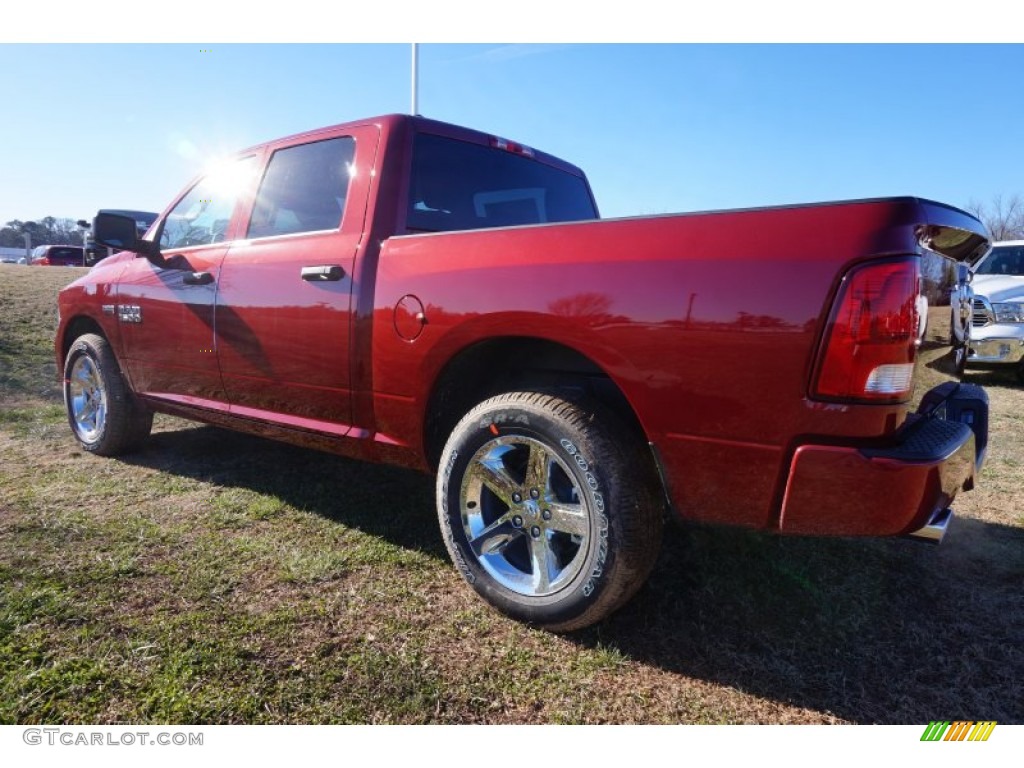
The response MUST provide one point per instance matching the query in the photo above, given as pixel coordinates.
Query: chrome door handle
(198, 278)
(323, 273)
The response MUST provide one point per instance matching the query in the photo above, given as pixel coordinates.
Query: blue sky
(658, 127)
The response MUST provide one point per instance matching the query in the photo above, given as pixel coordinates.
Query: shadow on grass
(872, 631)
(1000, 377)
(392, 503)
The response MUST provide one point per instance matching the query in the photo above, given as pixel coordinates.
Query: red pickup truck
(406, 291)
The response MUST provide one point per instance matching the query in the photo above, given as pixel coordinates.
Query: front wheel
(103, 414)
(549, 508)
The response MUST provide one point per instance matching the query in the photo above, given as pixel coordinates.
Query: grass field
(219, 578)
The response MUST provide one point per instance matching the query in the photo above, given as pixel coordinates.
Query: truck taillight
(869, 345)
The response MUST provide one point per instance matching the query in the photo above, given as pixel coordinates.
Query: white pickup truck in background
(997, 333)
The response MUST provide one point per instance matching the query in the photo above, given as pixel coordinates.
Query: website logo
(959, 730)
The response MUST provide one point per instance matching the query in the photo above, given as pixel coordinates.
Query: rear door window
(304, 189)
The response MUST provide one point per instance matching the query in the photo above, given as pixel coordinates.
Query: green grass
(218, 578)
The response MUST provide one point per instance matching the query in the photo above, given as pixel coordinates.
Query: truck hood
(999, 287)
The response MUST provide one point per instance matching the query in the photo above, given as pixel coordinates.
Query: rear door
(283, 311)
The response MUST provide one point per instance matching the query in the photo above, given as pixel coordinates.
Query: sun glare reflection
(227, 176)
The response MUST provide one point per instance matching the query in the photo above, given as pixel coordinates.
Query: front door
(166, 312)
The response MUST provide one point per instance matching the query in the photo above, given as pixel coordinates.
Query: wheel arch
(512, 363)
(77, 326)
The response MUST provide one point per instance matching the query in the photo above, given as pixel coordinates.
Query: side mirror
(115, 231)
(121, 233)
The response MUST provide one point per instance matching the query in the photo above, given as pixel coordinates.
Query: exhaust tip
(935, 529)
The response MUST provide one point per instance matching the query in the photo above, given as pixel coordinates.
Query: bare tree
(49, 230)
(1004, 216)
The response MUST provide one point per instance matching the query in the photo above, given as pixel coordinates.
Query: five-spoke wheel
(548, 508)
(87, 401)
(104, 415)
(523, 516)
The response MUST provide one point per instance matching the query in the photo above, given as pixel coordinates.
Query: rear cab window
(459, 185)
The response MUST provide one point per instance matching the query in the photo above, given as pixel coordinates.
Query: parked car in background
(94, 252)
(997, 333)
(58, 256)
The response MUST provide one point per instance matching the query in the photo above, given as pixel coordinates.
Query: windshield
(457, 185)
(1003, 260)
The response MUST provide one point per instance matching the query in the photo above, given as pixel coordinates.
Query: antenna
(415, 78)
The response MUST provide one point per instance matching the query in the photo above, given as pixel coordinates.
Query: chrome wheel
(523, 516)
(104, 415)
(547, 507)
(87, 399)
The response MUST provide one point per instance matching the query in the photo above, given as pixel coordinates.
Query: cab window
(202, 216)
(458, 185)
(304, 189)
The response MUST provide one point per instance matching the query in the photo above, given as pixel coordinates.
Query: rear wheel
(549, 508)
(104, 416)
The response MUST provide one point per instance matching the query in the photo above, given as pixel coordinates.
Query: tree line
(49, 230)
(1004, 216)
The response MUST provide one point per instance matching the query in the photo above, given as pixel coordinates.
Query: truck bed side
(708, 325)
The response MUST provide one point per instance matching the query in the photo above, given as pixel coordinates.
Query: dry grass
(214, 577)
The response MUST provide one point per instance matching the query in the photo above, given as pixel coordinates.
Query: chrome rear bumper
(934, 530)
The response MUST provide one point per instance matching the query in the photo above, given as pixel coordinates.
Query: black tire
(104, 416)
(580, 545)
